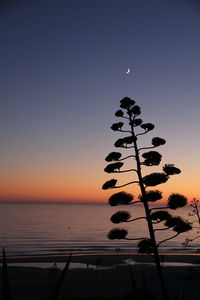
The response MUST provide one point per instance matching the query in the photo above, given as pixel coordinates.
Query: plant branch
(124, 117)
(166, 228)
(139, 201)
(194, 221)
(135, 239)
(126, 157)
(164, 207)
(139, 218)
(147, 211)
(125, 184)
(157, 222)
(142, 133)
(167, 239)
(124, 130)
(145, 148)
(126, 147)
(191, 240)
(124, 171)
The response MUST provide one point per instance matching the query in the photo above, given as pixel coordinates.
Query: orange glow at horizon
(81, 181)
(59, 103)
(57, 189)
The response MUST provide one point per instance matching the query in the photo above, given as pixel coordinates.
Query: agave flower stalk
(136, 128)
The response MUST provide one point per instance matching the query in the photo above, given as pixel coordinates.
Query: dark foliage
(128, 140)
(136, 122)
(119, 143)
(113, 156)
(176, 200)
(120, 216)
(127, 103)
(109, 184)
(117, 126)
(152, 158)
(178, 224)
(113, 167)
(169, 169)
(151, 196)
(119, 113)
(183, 226)
(145, 246)
(135, 110)
(160, 215)
(157, 141)
(173, 221)
(121, 198)
(124, 141)
(147, 126)
(155, 179)
(117, 234)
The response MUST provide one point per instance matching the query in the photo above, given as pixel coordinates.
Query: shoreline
(104, 275)
(105, 259)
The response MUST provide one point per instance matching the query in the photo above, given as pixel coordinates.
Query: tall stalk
(153, 215)
(148, 214)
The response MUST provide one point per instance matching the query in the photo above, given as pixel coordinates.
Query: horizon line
(51, 202)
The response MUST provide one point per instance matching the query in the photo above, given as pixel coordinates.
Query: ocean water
(33, 229)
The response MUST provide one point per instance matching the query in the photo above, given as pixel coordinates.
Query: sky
(63, 71)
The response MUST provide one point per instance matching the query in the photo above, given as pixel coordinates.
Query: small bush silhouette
(195, 214)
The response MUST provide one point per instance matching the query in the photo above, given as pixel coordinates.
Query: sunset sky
(63, 71)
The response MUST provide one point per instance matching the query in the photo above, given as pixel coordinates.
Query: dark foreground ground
(104, 277)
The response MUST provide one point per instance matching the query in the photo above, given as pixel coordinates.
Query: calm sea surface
(29, 229)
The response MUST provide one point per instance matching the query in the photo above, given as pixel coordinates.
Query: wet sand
(106, 258)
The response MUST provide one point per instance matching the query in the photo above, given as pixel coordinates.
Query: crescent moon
(128, 71)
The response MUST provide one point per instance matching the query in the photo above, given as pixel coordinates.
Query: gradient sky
(62, 74)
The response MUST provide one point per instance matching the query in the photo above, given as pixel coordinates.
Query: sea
(55, 229)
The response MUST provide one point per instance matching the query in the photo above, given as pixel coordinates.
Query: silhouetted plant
(120, 216)
(160, 216)
(151, 196)
(152, 158)
(117, 233)
(113, 168)
(120, 198)
(145, 246)
(195, 204)
(176, 200)
(113, 156)
(109, 184)
(171, 170)
(53, 277)
(7, 294)
(134, 127)
(58, 288)
(155, 179)
(195, 214)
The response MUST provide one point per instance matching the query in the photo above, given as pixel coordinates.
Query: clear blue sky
(62, 72)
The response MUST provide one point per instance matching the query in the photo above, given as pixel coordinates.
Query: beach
(39, 241)
(104, 276)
